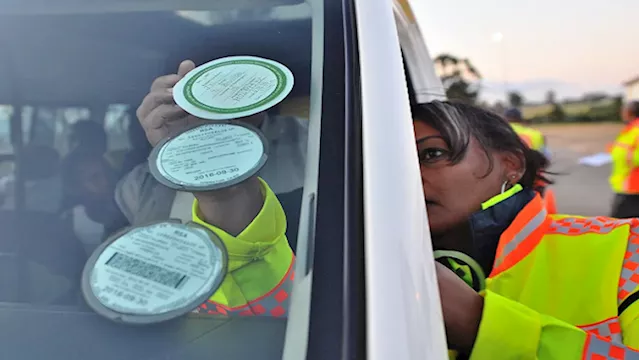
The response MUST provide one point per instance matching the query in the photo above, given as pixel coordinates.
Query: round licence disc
(154, 273)
(209, 157)
(233, 87)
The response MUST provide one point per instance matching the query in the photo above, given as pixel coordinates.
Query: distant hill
(604, 109)
(535, 90)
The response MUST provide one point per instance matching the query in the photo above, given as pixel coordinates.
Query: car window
(74, 168)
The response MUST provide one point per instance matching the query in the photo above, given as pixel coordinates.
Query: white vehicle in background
(365, 285)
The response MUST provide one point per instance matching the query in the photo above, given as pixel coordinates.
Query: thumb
(185, 67)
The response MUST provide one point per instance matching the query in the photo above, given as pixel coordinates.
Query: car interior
(66, 68)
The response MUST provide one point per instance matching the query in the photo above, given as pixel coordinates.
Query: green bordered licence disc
(154, 273)
(233, 87)
(209, 157)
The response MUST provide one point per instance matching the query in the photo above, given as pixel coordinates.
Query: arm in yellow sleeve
(510, 330)
(260, 270)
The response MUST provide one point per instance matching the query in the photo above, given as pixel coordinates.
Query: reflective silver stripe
(578, 226)
(629, 274)
(599, 348)
(523, 234)
(609, 330)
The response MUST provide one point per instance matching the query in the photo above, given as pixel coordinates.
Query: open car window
(74, 163)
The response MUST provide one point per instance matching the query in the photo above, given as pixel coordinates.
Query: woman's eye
(431, 154)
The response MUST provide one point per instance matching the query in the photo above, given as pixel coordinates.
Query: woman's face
(453, 192)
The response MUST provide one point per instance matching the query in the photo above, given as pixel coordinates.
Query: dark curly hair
(459, 122)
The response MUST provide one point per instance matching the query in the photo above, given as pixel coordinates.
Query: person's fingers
(177, 126)
(185, 67)
(152, 101)
(193, 121)
(158, 114)
(162, 116)
(165, 82)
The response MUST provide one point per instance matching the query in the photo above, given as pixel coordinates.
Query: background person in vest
(532, 137)
(624, 174)
(142, 199)
(536, 141)
(247, 217)
(550, 286)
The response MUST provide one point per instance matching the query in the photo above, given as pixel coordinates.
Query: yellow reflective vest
(261, 265)
(532, 137)
(535, 140)
(624, 155)
(562, 287)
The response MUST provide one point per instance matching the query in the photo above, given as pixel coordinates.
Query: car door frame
(404, 317)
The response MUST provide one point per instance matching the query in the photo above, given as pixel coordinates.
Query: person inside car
(42, 181)
(139, 149)
(248, 217)
(91, 136)
(516, 282)
(88, 134)
(143, 199)
(89, 183)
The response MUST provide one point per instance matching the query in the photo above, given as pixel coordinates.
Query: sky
(570, 46)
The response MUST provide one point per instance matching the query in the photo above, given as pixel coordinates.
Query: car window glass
(80, 134)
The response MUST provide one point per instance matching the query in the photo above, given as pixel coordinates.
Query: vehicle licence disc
(209, 157)
(154, 273)
(233, 87)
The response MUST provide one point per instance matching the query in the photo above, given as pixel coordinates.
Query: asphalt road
(580, 190)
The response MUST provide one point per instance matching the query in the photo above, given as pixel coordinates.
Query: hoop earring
(504, 187)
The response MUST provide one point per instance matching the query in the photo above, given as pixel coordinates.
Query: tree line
(462, 82)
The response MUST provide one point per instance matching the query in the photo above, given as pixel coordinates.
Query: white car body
(402, 295)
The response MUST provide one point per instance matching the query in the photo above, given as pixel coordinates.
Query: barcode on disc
(145, 270)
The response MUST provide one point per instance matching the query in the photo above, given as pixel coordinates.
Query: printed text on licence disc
(157, 269)
(233, 87)
(209, 157)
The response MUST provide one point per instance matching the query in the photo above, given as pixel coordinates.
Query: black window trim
(337, 328)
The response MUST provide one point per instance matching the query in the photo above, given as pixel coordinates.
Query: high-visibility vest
(532, 137)
(562, 287)
(624, 154)
(549, 198)
(261, 265)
